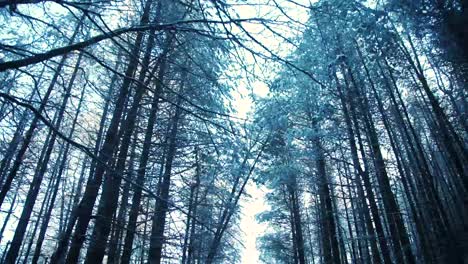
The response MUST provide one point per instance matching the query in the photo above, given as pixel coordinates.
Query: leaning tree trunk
(37, 180)
(162, 202)
(35, 122)
(47, 216)
(82, 213)
(140, 179)
(399, 236)
(110, 191)
(364, 176)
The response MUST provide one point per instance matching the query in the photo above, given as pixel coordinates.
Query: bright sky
(249, 226)
(255, 204)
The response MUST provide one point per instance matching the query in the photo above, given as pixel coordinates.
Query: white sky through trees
(332, 76)
(254, 202)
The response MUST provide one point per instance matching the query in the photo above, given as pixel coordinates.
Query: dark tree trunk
(397, 228)
(64, 159)
(162, 203)
(192, 210)
(37, 179)
(82, 213)
(330, 244)
(296, 219)
(140, 180)
(365, 177)
(110, 191)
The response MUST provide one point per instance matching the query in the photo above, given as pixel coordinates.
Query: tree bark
(162, 203)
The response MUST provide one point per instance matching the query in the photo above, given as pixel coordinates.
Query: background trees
(381, 146)
(119, 141)
(125, 149)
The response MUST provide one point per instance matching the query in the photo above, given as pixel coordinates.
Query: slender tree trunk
(44, 205)
(82, 213)
(140, 180)
(365, 177)
(119, 224)
(34, 123)
(436, 211)
(398, 232)
(36, 182)
(63, 161)
(296, 218)
(355, 256)
(330, 244)
(110, 192)
(191, 245)
(162, 203)
(191, 210)
(455, 148)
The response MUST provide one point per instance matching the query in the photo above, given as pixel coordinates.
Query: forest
(139, 131)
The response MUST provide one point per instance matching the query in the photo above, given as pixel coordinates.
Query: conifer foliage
(368, 162)
(120, 141)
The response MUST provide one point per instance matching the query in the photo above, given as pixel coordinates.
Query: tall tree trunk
(37, 181)
(297, 224)
(355, 256)
(364, 177)
(62, 167)
(189, 232)
(35, 122)
(82, 213)
(436, 211)
(455, 148)
(44, 205)
(110, 191)
(145, 154)
(191, 245)
(330, 244)
(119, 224)
(398, 234)
(162, 202)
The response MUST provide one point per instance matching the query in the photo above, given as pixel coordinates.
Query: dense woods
(124, 137)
